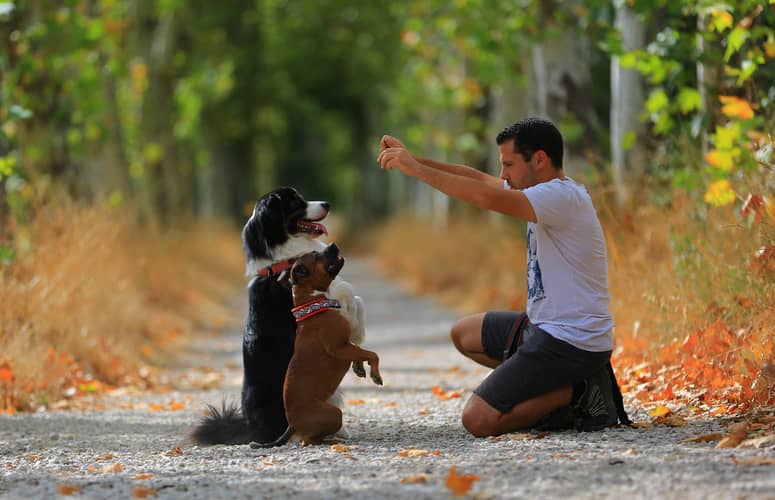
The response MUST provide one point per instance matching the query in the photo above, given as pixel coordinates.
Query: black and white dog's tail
(226, 426)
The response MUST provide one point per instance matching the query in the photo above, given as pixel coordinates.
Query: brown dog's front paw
(376, 378)
(359, 370)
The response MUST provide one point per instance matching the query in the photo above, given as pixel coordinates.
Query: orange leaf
(174, 452)
(143, 492)
(112, 468)
(735, 107)
(354, 402)
(67, 490)
(156, 407)
(414, 452)
(174, 406)
(6, 374)
(459, 485)
(343, 448)
(143, 476)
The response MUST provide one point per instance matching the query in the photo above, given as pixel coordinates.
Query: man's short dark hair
(532, 134)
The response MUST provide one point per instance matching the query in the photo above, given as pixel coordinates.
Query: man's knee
(466, 333)
(479, 418)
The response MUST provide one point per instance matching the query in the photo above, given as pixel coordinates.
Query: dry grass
(93, 297)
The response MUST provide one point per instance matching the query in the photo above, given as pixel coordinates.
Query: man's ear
(298, 272)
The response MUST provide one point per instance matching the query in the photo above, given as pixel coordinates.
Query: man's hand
(400, 158)
(388, 141)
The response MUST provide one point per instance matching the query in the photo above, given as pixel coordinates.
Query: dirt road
(133, 448)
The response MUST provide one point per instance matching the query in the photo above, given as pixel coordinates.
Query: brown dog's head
(317, 270)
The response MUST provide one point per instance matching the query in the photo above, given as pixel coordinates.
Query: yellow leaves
(720, 193)
(735, 107)
(722, 160)
(460, 484)
(659, 411)
(721, 20)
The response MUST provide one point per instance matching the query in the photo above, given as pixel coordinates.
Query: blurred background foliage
(127, 125)
(192, 108)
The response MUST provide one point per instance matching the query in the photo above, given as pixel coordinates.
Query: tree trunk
(627, 98)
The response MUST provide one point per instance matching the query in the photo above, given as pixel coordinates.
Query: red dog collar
(314, 307)
(275, 268)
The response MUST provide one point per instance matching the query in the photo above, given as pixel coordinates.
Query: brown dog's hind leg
(319, 422)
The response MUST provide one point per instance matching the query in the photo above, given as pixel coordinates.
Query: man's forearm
(461, 170)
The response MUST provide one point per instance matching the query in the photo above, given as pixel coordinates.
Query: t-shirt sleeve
(553, 203)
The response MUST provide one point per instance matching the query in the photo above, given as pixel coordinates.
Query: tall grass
(92, 297)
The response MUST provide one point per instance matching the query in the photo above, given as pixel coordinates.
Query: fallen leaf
(459, 485)
(423, 412)
(730, 441)
(642, 425)
(174, 452)
(67, 490)
(33, 458)
(112, 468)
(175, 406)
(704, 438)
(520, 436)
(156, 407)
(105, 456)
(758, 442)
(417, 478)
(755, 461)
(143, 492)
(415, 452)
(670, 421)
(342, 448)
(659, 411)
(354, 402)
(143, 476)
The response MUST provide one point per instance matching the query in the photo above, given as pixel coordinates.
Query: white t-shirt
(567, 268)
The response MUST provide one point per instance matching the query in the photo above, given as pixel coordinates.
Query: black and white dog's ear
(253, 242)
(298, 272)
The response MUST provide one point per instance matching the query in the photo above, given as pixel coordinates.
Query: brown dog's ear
(298, 272)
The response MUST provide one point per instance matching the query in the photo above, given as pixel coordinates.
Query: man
(556, 372)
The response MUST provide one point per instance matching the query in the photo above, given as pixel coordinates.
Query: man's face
(518, 173)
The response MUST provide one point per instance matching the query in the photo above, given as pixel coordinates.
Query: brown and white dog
(322, 353)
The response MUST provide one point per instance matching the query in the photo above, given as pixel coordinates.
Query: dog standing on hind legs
(282, 227)
(322, 354)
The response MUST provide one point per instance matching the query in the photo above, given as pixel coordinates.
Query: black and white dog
(282, 227)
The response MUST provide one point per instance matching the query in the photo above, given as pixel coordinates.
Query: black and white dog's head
(283, 225)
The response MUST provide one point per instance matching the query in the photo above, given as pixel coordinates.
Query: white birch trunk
(627, 98)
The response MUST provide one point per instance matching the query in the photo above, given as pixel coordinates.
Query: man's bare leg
(481, 419)
(466, 334)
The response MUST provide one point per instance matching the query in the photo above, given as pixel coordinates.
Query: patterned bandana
(317, 306)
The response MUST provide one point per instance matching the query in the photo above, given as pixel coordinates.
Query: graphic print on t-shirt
(535, 287)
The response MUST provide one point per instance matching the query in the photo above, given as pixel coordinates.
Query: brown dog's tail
(226, 426)
(277, 442)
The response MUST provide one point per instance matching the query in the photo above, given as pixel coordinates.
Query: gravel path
(118, 453)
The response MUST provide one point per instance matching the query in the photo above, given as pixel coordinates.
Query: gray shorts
(540, 365)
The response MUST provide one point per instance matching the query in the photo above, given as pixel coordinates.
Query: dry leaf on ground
(754, 461)
(416, 478)
(67, 490)
(142, 476)
(704, 438)
(112, 468)
(105, 456)
(460, 484)
(415, 452)
(174, 452)
(342, 448)
(143, 492)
